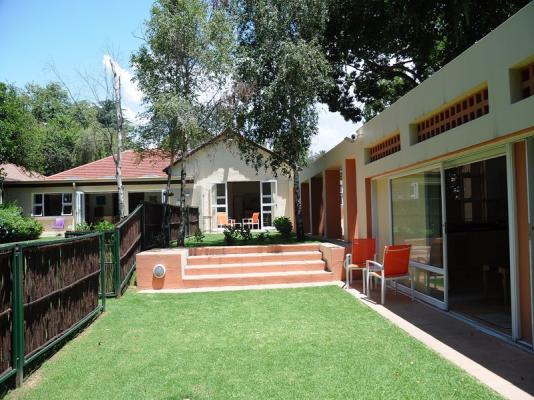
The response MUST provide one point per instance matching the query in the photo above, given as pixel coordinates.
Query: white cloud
(332, 129)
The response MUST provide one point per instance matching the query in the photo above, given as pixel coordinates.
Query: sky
(43, 40)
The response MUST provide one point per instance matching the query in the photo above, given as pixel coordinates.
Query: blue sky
(74, 36)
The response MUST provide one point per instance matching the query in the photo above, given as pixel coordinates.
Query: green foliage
(283, 225)
(199, 235)
(15, 227)
(245, 233)
(83, 227)
(104, 226)
(379, 50)
(231, 234)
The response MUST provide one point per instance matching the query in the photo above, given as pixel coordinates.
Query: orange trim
(333, 203)
(465, 149)
(525, 301)
(368, 207)
(305, 199)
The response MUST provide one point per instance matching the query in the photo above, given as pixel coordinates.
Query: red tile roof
(151, 165)
(14, 172)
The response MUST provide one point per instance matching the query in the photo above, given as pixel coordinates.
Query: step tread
(255, 264)
(255, 275)
(265, 254)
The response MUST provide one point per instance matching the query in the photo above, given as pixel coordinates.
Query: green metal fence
(49, 290)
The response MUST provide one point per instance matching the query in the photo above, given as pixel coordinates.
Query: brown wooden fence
(49, 290)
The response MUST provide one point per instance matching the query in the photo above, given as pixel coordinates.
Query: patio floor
(503, 366)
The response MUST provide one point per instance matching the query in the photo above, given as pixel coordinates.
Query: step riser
(243, 259)
(320, 266)
(202, 251)
(200, 283)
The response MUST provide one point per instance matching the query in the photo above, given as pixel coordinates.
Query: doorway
(478, 242)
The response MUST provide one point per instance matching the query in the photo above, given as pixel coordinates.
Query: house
(15, 173)
(449, 169)
(218, 182)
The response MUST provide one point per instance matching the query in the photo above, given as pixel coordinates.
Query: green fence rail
(48, 291)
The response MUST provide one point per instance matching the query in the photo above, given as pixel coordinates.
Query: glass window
(37, 209)
(67, 204)
(416, 216)
(53, 204)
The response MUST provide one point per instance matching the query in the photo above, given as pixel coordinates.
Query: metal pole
(18, 315)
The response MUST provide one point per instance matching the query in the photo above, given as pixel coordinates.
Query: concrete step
(274, 248)
(265, 278)
(247, 258)
(245, 268)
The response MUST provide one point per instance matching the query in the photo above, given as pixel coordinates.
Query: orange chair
(396, 265)
(362, 250)
(255, 220)
(223, 220)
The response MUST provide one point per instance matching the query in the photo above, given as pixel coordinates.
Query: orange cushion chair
(362, 250)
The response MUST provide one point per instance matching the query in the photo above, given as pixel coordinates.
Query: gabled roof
(17, 173)
(150, 165)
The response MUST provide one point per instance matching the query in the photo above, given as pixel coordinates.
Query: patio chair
(362, 250)
(396, 265)
(223, 220)
(59, 224)
(255, 220)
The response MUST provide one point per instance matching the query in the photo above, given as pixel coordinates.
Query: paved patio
(504, 367)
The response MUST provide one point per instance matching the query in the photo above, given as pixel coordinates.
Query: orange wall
(368, 209)
(333, 204)
(351, 199)
(305, 198)
(525, 301)
(317, 206)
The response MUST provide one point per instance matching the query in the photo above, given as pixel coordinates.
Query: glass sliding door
(268, 203)
(416, 214)
(219, 204)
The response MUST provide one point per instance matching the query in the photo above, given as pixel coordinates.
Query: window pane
(416, 215)
(37, 199)
(221, 209)
(221, 200)
(221, 189)
(267, 219)
(67, 209)
(266, 188)
(52, 204)
(37, 210)
(427, 282)
(67, 197)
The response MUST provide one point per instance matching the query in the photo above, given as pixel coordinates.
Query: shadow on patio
(503, 359)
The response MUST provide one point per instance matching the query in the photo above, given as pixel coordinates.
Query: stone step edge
(265, 254)
(253, 275)
(255, 264)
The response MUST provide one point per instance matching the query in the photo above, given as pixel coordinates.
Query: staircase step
(196, 281)
(253, 258)
(274, 248)
(270, 266)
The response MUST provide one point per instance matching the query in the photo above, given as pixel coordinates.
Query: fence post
(102, 254)
(117, 262)
(143, 233)
(18, 315)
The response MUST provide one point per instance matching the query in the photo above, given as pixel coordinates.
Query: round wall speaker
(159, 271)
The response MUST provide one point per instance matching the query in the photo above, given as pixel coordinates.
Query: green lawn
(217, 239)
(311, 343)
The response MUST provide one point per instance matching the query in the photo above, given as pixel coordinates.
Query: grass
(310, 343)
(217, 239)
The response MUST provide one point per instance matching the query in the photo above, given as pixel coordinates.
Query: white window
(52, 204)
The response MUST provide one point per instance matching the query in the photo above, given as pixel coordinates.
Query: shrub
(283, 225)
(199, 235)
(104, 226)
(245, 233)
(84, 227)
(230, 234)
(16, 227)
(262, 237)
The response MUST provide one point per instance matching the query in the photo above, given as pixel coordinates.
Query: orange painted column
(305, 198)
(523, 254)
(317, 222)
(351, 204)
(368, 207)
(333, 203)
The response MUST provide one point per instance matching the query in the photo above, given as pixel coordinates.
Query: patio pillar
(368, 207)
(333, 203)
(350, 204)
(317, 209)
(305, 198)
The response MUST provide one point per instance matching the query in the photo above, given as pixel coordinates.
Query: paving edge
(244, 287)
(495, 382)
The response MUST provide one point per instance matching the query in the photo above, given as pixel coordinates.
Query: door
(530, 183)
(478, 251)
(268, 202)
(79, 216)
(219, 203)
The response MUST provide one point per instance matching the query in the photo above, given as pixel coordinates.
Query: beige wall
(221, 162)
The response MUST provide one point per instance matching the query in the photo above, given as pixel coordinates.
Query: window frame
(42, 204)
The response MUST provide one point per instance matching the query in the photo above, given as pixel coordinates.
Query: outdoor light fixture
(159, 271)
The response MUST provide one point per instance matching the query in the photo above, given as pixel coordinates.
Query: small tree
(285, 71)
(182, 70)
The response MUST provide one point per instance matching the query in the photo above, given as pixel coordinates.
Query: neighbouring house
(16, 173)
(219, 184)
(449, 169)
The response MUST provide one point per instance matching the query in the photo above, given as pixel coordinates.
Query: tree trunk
(118, 157)
(183, 208)
(166, 223)
(298, 204)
